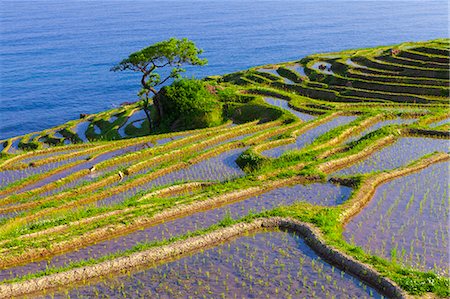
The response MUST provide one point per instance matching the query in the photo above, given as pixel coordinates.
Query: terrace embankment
(366, 191)
(267, 263)
(118, 229)
(403, 151)
(160, 193)
(403, 221)
(190, 245)
(325, 194)
(308, 136)
(360, 115)
(140, 165)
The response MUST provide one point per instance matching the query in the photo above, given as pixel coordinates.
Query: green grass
(387, 88)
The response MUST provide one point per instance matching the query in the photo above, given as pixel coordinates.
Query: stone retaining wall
(191, 245)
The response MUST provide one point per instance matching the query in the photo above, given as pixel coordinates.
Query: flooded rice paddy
(263, 265)
(317, 193)
(402, 152)
(297, 68)
(440, 123)
(219, 168)
(407, 221)
(285, 105)
(378, 125)
(309, 136)
(323, 67)
(10, 176)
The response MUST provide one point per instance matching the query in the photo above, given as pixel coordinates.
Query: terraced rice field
(323, 194)
(402, 152)
(309, 136)
(263, 265)
(405, 221)
(349, 150)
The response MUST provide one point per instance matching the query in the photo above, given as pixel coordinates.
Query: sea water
(55, 56)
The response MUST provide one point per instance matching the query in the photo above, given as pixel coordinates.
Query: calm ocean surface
(55, 56)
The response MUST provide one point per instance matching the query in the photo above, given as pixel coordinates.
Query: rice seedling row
(440, 123)
(9, 176)
(309, 136)
(317, 193)
(284, 105)
(99, 172)
(218, 168)
(377, 114)
(378, 125)
(405, 221)
(406, 149)
(263, 265)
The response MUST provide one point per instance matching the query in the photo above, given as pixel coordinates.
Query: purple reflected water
(9, 176)
(322, 194)
(402, 152)
(378, 125)
(323, 67)
(263, 265)
(218, 168)
(407, 219)
(85, 165)
(309, 136)
(284, 105)
(48, 155)
(93, 176)
(297, 68)
(80, 130)
(440, 123)
(138, 115)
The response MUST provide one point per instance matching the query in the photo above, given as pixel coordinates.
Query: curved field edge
(366, 190)
(183, 247)
(317, 93)
(327, 220)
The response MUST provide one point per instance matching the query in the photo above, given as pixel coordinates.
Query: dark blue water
(55, 56)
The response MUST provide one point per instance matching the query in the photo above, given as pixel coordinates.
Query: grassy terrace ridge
(105, 177)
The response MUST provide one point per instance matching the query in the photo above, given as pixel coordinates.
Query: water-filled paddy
(9, 176)
(378, 125)
(112, 119)
(80, 130)
(354, 64)
(440, 123)
(297, 68)
(285, 105)
(14, 148)
(85, 165)
(309, 136)
(217, 168)
(268, 71)
(402, 152)
(323, 67)
(136, 119)
(317, 193)
(38, 157)
(263, 265)
(406, 220)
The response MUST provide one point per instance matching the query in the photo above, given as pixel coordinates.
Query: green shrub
(228, 94)
(26, 146)
(252, 111)
(250, 161)
(188, 104)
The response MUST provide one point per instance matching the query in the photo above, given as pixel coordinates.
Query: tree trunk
(157, 104)
(158, 107)
(147, 113)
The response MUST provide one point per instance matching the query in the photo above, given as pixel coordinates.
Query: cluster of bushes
(188, 104)
(191, 103)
